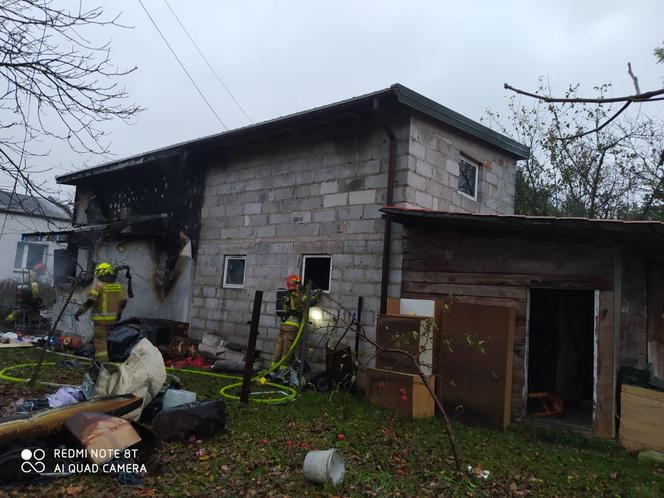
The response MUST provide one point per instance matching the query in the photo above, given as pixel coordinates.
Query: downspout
(389, 200)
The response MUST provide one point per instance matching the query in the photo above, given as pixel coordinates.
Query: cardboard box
(402, 392)
(100, 434)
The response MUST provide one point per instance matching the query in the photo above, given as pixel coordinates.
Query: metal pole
(360, 302)
(251, 347)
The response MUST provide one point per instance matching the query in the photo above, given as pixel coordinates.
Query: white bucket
(324, 466)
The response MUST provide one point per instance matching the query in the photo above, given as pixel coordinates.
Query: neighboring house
(203, 224)
(19, 214)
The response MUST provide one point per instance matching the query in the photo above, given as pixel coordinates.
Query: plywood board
(641, 418)
(16, 345)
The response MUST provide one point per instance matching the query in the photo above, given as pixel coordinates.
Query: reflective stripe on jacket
(109, 299)
(294, 304)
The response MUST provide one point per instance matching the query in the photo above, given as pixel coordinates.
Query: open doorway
(561, 356)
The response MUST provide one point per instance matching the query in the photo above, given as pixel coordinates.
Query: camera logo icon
(33, 461)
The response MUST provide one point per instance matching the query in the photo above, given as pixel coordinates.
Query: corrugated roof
(397, 92)
(29, 205)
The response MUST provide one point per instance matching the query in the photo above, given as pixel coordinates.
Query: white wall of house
(14, 226)
(148, 301)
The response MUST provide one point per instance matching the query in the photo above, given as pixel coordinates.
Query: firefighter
(294, 305)
(107, 299)
(28, 298)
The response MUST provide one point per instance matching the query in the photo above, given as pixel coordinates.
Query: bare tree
(627, 100)
(589, 157)
(57, 83)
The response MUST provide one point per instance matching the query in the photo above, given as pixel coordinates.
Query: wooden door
(473, 361)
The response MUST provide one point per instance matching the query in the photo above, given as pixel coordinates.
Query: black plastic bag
(200, 419)
(120, 340)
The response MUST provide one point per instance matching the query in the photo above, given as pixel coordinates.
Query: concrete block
(452, 167)
(280, 194)
(365, 226)
(424, 200)
(266, 231)
(335, 200)
(372, 211)
(301, 217)
(324, 215)
(252, 208)
(376, 181)
(329, 187)
(350, 213)
(301, 191)
(362, 197)
(311, 203)
(415, 180)
(423, 168)
(418, 150)
(370, 167)
(355, 246)
(352, 184)
(368, 260)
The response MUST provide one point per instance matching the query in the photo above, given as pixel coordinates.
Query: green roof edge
(431, 108)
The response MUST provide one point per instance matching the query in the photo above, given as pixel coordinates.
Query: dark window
(234, 271)
(35, 254)
(468, 179)
(317, 269)
(28, 255)
(18, 261)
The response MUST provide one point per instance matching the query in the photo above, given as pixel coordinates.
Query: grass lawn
(262, 449)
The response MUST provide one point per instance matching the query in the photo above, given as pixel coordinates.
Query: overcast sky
(280, 57)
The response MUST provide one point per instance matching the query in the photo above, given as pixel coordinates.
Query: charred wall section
(173, 187)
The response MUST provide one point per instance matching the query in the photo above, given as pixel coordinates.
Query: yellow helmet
(103, 269)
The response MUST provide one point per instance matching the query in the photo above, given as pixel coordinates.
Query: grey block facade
(319, 193)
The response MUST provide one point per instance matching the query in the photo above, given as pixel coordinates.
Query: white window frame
(477, 176)
(25, 249)
(227, 258)
(304, 262)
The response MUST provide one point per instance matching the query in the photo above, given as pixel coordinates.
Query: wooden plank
(511, 279)
(636, 436)
(10, 345)
(575, 268)
(643, 392)
(464, 290)
(633, 411)
(603, 423)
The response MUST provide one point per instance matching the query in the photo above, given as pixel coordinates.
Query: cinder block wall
(313, 193)
(432, 176)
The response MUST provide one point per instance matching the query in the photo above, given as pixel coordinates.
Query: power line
(207, 61)
(182, 65)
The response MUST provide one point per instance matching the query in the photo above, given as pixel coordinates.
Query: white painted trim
(477, 177)
(244, 273)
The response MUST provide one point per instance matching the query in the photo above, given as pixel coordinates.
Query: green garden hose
(288, 393)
